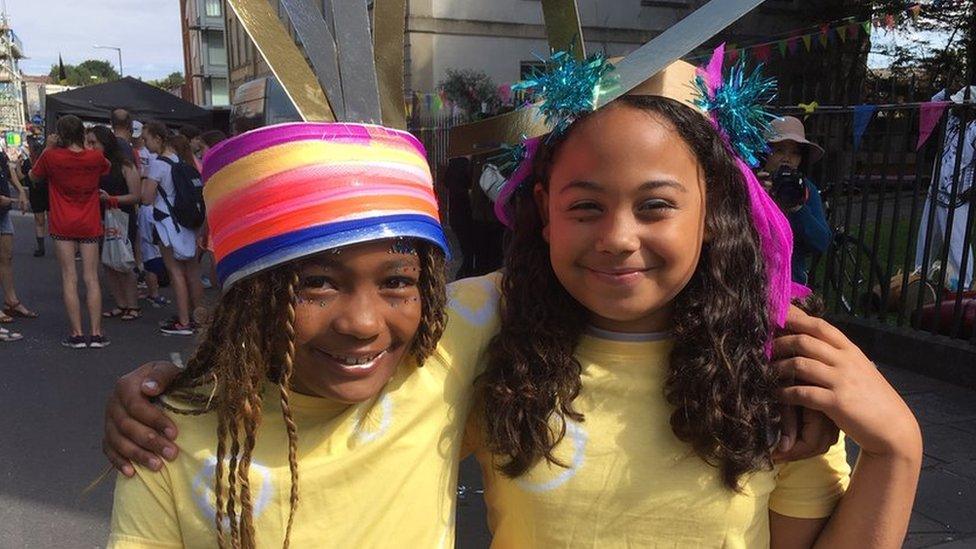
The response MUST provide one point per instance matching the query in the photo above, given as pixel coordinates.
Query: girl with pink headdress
(631, 398)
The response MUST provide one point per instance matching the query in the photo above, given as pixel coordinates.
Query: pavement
(53, 399)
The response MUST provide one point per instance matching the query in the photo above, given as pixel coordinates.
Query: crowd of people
(113, 199)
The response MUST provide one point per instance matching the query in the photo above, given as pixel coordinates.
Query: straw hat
(789, 128)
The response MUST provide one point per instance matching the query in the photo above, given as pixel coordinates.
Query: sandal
(114, 313)
(132, 313)
(18, 310)
(7, 336)
(5, 319)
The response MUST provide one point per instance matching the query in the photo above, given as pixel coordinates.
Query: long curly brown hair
(719, 381)
(238, 356)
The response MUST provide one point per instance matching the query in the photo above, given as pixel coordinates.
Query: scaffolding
(12, 116)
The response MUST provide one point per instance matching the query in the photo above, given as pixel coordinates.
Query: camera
(788, 189)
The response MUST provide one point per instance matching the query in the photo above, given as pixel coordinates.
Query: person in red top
(75, 221)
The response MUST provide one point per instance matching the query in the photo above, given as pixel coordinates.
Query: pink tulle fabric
(775, 235)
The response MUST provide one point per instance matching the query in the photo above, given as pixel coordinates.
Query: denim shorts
(6, 223)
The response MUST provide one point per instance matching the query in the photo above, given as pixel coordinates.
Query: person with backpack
(175, 191)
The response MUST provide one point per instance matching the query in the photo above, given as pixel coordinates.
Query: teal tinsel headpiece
(566, 87)
(737, 105)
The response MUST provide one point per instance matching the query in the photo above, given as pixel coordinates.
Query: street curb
(940, 357)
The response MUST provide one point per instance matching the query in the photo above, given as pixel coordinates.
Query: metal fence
(902, 248)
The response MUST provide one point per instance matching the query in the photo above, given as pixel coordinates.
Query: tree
(471, 90)
(91, 71)
(938, 65)
(173, 80)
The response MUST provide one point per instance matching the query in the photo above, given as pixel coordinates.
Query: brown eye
(316, 283)
(398, 283)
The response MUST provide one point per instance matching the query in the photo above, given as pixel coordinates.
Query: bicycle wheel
(848, 270)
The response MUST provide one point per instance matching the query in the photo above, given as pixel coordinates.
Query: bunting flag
(762, 53)
(867, 27)
(807, 39)
(792, 44)
(733, 55)
(862, 117)
(782, 48)
(928, 117)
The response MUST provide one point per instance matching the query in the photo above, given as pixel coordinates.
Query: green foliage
(92, 71)
(471, 90)
(174, 80)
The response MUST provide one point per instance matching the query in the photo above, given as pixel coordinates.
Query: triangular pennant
(862, 117)
(792, 43)
(807, 39)
(928, 117)
(842, 33)
(782, 48)
(763, 52)
(732, 54)
(824, 32)
(867, 27)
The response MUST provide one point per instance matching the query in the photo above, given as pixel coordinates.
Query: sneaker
(74, 342)
(175, 328)
(173, 319)
(158, 302)
(98, 342)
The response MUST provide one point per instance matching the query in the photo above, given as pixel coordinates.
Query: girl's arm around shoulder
(144, 511)
(830, 374)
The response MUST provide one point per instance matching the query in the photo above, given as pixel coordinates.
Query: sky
(148, 31)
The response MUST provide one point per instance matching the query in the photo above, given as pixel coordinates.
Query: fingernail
(128, 471)
(169, 453)
(784, 443)
(155, 464)
(170, 433)
(150, 385)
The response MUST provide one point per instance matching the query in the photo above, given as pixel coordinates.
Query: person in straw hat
(790, 156)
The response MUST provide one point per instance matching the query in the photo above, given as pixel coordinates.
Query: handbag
(116, 248)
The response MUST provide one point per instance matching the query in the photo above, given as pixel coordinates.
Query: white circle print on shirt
(369, 428)
(478, 315)
(203, 489)
(576, 437)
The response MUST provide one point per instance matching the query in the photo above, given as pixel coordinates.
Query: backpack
(187, 207)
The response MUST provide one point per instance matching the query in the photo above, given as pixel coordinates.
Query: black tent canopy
(145, 102)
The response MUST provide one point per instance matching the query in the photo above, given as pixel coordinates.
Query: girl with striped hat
(294, 409)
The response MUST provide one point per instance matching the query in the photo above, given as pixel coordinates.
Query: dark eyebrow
(657, 184)
(583, 186)
(648, 186)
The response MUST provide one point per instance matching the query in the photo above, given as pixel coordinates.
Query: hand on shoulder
(823, 370)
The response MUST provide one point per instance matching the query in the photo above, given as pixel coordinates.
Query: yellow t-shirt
(632, 483)
(377, 474)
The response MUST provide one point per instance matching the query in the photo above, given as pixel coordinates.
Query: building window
(216, 53)
(213, 8)
(218, 92)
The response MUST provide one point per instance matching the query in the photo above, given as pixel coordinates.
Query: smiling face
(357, 313)
(625, 214)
